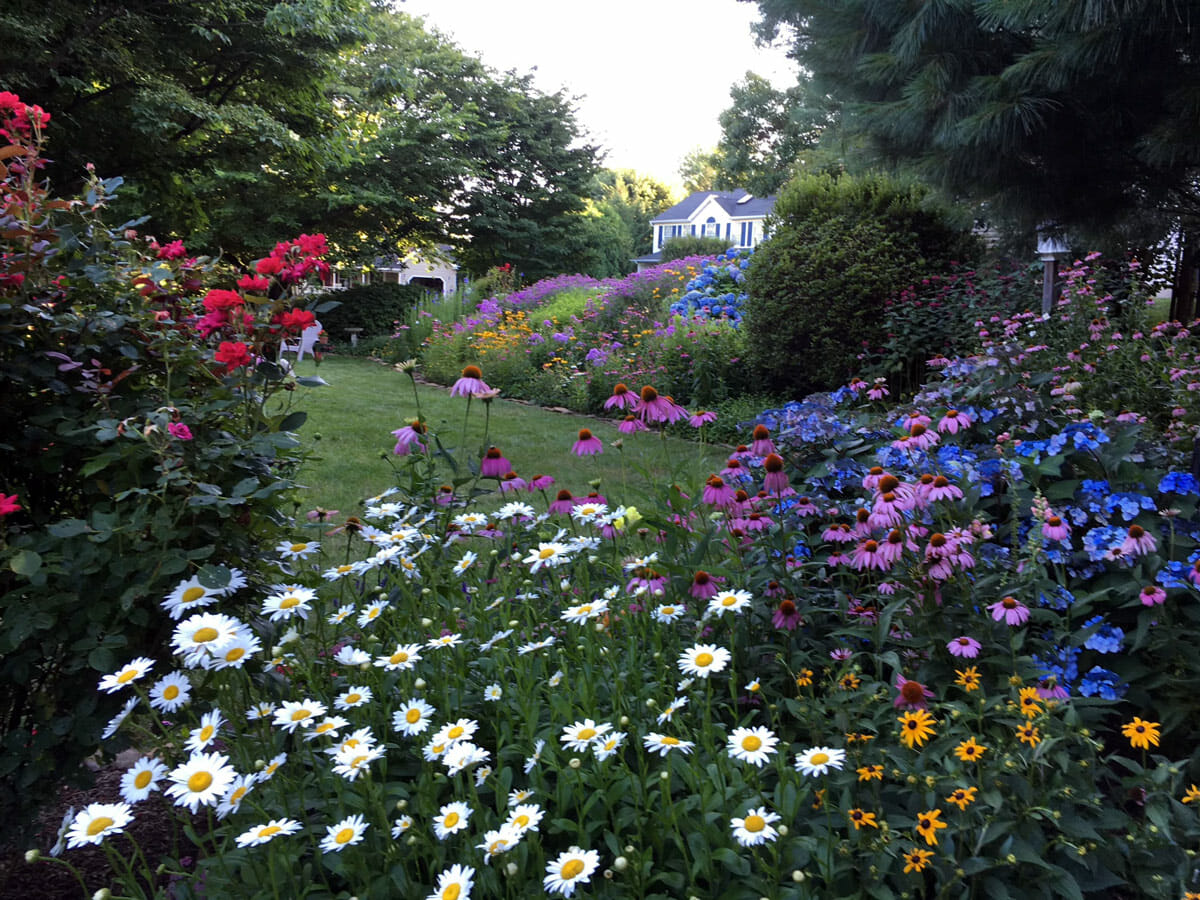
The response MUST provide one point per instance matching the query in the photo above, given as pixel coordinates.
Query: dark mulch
(154, 828)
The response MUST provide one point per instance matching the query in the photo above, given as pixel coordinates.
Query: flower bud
(574, 762)
(419, 684)
(32, 856)
(620, 864)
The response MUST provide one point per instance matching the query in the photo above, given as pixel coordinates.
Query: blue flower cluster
(815, 418)
(716, 292)
(1106, 638)
(1178, 483)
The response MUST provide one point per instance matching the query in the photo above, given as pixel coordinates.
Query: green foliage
(636, 199)
(375, 308)
(693, 245)
(840, 248)
(135, 452)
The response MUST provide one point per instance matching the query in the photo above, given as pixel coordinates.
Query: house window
(710, 228)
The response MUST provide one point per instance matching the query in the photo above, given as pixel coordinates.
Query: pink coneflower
(742, 452)
(1056, 529)
(786, 615)
(658, 408)
(408, 437)
(841, 654)
(752, 522)
(839, 534)
(913, 694)
(942, 489)
(1152, 595)
(761, 443)
(444, 495)
(494, 464)
(868, 555)
(914, 418)
(511, 481)
(871, 479)
(888, 511)
(939, 546)
(892, 547)
(646, 581)
(1010, 610)
(966, 647)
(878, 390)
(703, 585)
(1138, 542)
(735, 471)
(622, 398)
(919, 437)
(702, 418)
(775, 589)
(775, 480)
(563, 503)
(470, 384)
(631, 425)
(588, 444)
(953, 421)
(541, 482)
(1049, 689)
(595, 498)
(886, 587)
(805, 507)
(717, 492)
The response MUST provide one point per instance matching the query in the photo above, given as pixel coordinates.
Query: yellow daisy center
(142, 779)
(668, 610)
(819, 759)
(546, 553)
(670, 741)
(704, 659)
(237, 795)
(343, 836)
(354, 698)
(234, 654)
(751, 743)
(397, 658)
(206, 733)
(170, 692)
(204, 635)
(299, 548)
(413, 716)
(300, 715)
(200, 782)
(98, 825)
(571, 869)
(455, 732)
(728, 600)
(586, 734)
(324, 727)
(269, 831)
(451, 820)
(290, 601)
(127, 676)
(452, 891)
(521, 820)
(192, 594)
(754, 824)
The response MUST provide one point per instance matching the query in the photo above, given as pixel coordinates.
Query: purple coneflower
(622, 398)
(1056, 529)
(588, 444)
(1138, 542)
(703, 585)
(563, 503)
(966, 647)
(631, 425)
(717, 492)
(658, 408)
(1010, 610)
(787, 615)
(470, 384)
(912, 694)
(942, 489)
(954, 420)
(1152, 595)
(494, 464)
(408, 437)
(775, 480)
(511, 481)
(868, 555)
(541, 482)
(762, 443)
(702, 418)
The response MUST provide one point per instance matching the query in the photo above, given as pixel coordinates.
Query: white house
(435, 272)
(737, 216)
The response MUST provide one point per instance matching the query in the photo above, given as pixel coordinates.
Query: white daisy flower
(295, 714)
(171, 692)
(444, 640)
(572, 868)
(354, 761)
(189, 596)
(297, 549)
(497, 841)
(127, 674)
(703, 659)
(203, 735)
(580, 614)
(752, 745)
(372, 612)
(755, 828)
(556, 678)
(360, 738)
(236, 653)
(495, 638)
(352, 656)
(608, 745)
(662, 744)
(524, 818)
(196, 636)
(579, 736)
(201, 781)
(115, 722)
(269, 770)
(819, 760)
(465, 563)
(516, 510)
(327, 727)
(667, 613)
(344, 834)
(341, 614)
(462, 755)
(141, 779)
(260, 834)
(237, 791)
(669, 713)
(729, 601)
(461, 730)
(355, 695)
(468, 522)
(413, 717)
(450, 819)
(532, 761)
(434, 750)
(586, 512)
(454, 884)
(289, 601)
(482, 774)
(96, 822)
(338, 572)
(264, 709)
(404, 657)
(548, 555)
(526, 649)
(401, 825)
(519, 795)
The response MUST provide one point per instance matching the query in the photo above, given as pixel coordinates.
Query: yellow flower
(1031, 706)
(859, 818)
(1142, 734)
(969, 751)
(805, 678)
(962, 797)
(867, 773)
(849, 682)
(968, 678)
(1192, 795)
(1029, 735)
(928, 824)
(916, 860)
(916, 726)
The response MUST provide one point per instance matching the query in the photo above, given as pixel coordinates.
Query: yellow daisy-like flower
(968, 678)
(916, 727)
(869, 773)
(856, 737)
(962, 797)
(805, 678)
(861, 819)
(1142, 734)
(849, 681)
(969, 750)
(1028, 734)
(1030, 702)
(1192, 795)
(928, 825)
(916, 860)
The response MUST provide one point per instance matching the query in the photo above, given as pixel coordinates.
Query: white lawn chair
(303, 344)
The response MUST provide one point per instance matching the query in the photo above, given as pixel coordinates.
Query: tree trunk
(1185, 286)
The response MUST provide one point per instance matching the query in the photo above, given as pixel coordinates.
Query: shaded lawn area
(350, 423)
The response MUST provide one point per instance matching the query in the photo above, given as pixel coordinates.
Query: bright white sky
(652, 75)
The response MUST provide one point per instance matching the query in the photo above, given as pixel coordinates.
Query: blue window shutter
(728, 225)
(693, 229)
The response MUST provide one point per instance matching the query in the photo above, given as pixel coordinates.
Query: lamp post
(1051, 249)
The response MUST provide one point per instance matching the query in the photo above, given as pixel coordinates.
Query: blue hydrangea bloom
(1106, 639)
(1062, 664)
(1129, 503)
(1092, 493)
(1173, 575)
(1100, 540)
(1178, 483)
(1100, 682)
(1060, 598)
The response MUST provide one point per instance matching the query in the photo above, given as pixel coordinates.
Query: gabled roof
(739, 204)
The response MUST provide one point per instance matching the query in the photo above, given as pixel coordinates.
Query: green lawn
(350, 423)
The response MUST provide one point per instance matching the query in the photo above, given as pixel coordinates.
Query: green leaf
(214, 578)
(293, 421)
(68, 528)
(25, 562)
(736, 864)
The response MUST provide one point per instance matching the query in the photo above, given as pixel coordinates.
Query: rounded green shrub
(693, 245)
(839, 249)
(375, 308)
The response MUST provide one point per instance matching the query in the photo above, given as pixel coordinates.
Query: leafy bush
(146, 428)
(839, 249)
(375, 308)
(693, 245)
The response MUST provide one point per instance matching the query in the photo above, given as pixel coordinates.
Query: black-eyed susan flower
(862, 819)
(849, 682)
(1142, 734)
(756, 828)
(928, 825)
(870, 773)
(916, 859)
(1028, 734)
(1192, 794)
(805, 678)
(97, 821)
(916, 727)
(962, 797)
(570, 869)
(968, 678)
(969, 750)
(1030, 702)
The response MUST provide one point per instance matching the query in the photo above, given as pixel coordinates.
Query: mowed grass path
(350, 423)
